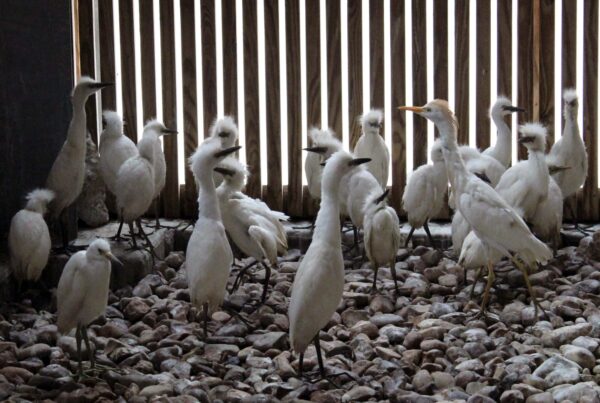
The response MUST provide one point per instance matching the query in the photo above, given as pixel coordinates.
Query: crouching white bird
(372, 145)
(495, 222)
(68, 170)
(226, 130)
(29, 239)
(423, 197)
(208, 256)
(82, 293)
(324, 144)
(252, 225)
(319, 282)
(382, 234)
(135, 188)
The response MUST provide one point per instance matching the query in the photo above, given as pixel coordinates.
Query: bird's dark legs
(156, 211)
(477, 277)
(393, 270)
(319, 357)
(523, 269)
(355, 232)
(139, 225)
(426, 226)
(572, 201)
(376, 269)
(300, 364)
(88, 346)
(410, 234)
(118, 237)
(267, 267)
(205, 324)
(488, 286)
(64, 231)
(135, 246)
(238, 279)
(78, 341)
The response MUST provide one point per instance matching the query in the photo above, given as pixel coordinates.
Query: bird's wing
(419, 195)
(70, 293)
(254, 212)
(26, 231)
(512, 189)
(266, 241)
(313, 173)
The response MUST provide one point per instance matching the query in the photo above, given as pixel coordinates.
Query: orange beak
(416, 109)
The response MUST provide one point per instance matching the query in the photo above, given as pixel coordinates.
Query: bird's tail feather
(537, 252)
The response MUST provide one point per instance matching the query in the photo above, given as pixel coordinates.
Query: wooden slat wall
(419, 65)
(148, 68)
(334, 67)
(504, 62)
(209, 63)
(86, 59)
(525, 69)
(461, 69)
(482, 119)
(229, 57)
(107, 53)
(128, 68)
(546, 89)
(376, 54)
(355, 89)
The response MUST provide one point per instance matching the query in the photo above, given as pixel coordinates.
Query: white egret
(548, 217)
(502, 150)
(115, 148)
(324, 144)
(226, 131)
(319, 282)
(372, 145)
(251, 224)
(382, 234)
(29, 239)
(208, 256)
(493, 220)
(82, 292)
(423, 197)
(68, 170)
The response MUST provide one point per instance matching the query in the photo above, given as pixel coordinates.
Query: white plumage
(153, 130)
(502, 150)
(226, 131)
(372, 145)
(29, 239)
(548, 217)
(115, 148)
(324, 144)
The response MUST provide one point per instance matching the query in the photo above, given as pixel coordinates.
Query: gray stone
(157, 390)
(266, 341)
(564, 335)
(544, 397)
(558, 370)
(580, 355)
(358, 393)
(512, 396)
(576, 392)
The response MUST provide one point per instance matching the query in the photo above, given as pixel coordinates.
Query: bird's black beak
(526, 139)
(169, 131)
(483, 177)
(318, 150)
(358, 161)
(224, 171)
(553, 169)
(227, 151)
(382, 197)
(322, 164)
(99, 86)
(377, 125)
(511, 108)
(223, 134)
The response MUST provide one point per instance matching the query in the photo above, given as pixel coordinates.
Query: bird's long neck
(76, 134)
(571, 130)
(327, 224)
(537, 160)
(455, 166)
(502, 148)
(208, 203)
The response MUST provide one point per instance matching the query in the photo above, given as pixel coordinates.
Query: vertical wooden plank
(209, 63)
(376, 54)
(505, 48)
(419, 66)
(334, 67)
(170, 195)
(483, 73)
(398, 68)
(190, 111)
(440, 52)
(313, 63)
(355, 101)
(273, 195)
(252, 124)
(128, 68)
(569, 44)
(229, 57)
(107, 53)
(547, 67)
(86, 60)
(148, 69)
(461, 75)
(525, 65)
(294, 112)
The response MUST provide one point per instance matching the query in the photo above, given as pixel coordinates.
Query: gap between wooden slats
(419, 66)
(334, 72)
(355, 76)
(483, 74)
(209, 68)
(128, 68)
(107, 53)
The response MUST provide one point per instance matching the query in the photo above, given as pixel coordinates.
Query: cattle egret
(494, 221)
(372, 145)
(570, 152)
(68, 170)
(319, 282)
(226, 131)
(502, 150)
(82, 292)
(29, 239)
(135, 188)
(115, 148)
(208, 256)
(424, 194)
(324, 144)
(251, 224)
(382, 235)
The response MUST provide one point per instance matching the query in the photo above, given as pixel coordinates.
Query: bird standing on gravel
(319, 282)
(29, 239)
(372, 145)
(82, 293)
(494, 221)
(423, 197)
(252, 225)
(68, 170)
(208, 256)
(382, 235)
(502, 150)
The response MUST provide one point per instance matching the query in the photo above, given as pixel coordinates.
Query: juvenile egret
(29, 239)
(494, 221)
(208, 256)
(82, 292)
(135, 188)
(548, 216)
(115, 148)
(372, 145)
(226, 131)
(153, 131)
(319, 282)
(424, 194)
(68, 170)
(382, 235)
(324, 144)
(502, 150)
(251, 224)
(570, 152)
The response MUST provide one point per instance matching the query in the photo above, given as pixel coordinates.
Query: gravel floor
(424, 344)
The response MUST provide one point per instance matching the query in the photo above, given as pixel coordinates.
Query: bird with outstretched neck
(371, 145)
(502, 150)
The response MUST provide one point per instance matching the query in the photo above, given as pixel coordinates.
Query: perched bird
(495, 222)
(423, 197)
(29, 239)
(115, 148)
(135, 188)
(252, 225)
(382, 234)
(502, 150)
(324, 144)
(319, 282)
(82, 292)
(548, 217)
(208, 256)
(68, 170)
(153, 130)
(372, 145)
(570, 152)
(226, 131)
